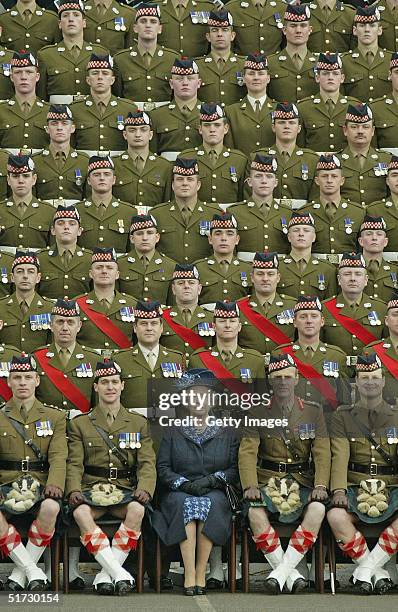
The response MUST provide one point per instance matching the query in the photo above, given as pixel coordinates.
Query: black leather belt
(111, 473)
(25, 465)
(282, 467)
(373, 469)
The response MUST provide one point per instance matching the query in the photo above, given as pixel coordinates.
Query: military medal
(127, 314)
(373, 318)
(122, 440)
(348, 225)
(326, 368)
(239, 78)
(6, 69)
(278, 20)
(204, 228)
(243, 279)
(119, 24)
(304, 172)
(4, 368)
(393, 276)
(284, 225)
(49, 428)
(232, 174)
(39, 429)
(392, 435)
(195, 17)
(303, 432)
(281, 318)
(78, 177)
(4, 278)
(120, 123)
(33, 322)
(380, 169)
(165, 369)
(321, 282)
(136, 438)
(246, 375)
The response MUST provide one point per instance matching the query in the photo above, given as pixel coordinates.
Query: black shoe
(10, 585)
(199, 590)
(382, 586)
(166, 583)
(299, 585)
(364, 588)
(104, 588)
(271, 586)
(214, 585)
(123, 587)
(77, 584)
(37, 585)
(190, 591)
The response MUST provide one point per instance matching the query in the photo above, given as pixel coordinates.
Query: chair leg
(319, 563)
(140, 566)
(232, 559)
(245, 560)
(158, 564)
(55, 559)
(332, 561)
(65, 561)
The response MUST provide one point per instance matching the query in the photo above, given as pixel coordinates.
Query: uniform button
(66, 286)
(298, 88)
(140, 180)
(101, 239)
(76, 69)
(332, 125)
(26, 135)
(26, 124)
(301, 282)
(224, 280)
(299, 76)
(186, 246)
(146, 289)
(66, 276)
(222, 81)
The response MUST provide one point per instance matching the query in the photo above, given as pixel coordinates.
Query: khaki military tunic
(225, 87)
(384, 281)
(287, 82)
(259, 233)
(389, 23)
(257, 30)
(268, 444)
(321, 131)
(220, 285)
(79, 370)
(364, 185)
(185, 34)
(58, 279)
(120, 313)
(279, 313)
(20, 132)
(152, 282)
(87, 448)
(247, 131)
(25, 331)
(172, 131)
(96, 132)
(137, 374)
(390, 391)
(333, 30)
(29, 231)
(201, 323)
(53, 447)
(110, 230)
(6, 262)
(63, 74)
(363, 81)
(139, 83)
(340, 234)
(6, 86)
(389, 211)
(223, 181)
(242, 359)
(181, 242)
(348, 444)
(42, 29)
(334, 333)
(318, 278)
(149, 187)
(112, 29)
(68, 183)
(385, 115)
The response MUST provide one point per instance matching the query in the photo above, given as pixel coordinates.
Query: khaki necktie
(186, 214)
(101, 209)
(224, 265)
(22, 206)
(308, 352)
(213, 157)
(301, 264)
(24, 413)
(227, 356)
(373, 266)
(361, 161)
(257, 109)
(24, 307)
(266, 307)
(330, 106)
(64, 357)
(109, 419)
(66, 258)
(221, 64)
(185, 112)
(370, 57)
(101, 108)
(145, 261)
(104, 302)
(147, 59)
(285, 157)
(180, 8)
(326, 11)
(260, 7)
(27, 16)
(25, 107)
(139, 163)
(75, 52)
(330, 210)
(59, 160)
(151, 360)
(297, 61)
(186, 315)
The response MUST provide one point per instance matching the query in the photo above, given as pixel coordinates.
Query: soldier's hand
(53, 492)
(142, 496)
(319, 494)
(76, 498)
(339, 499)
(252, 493)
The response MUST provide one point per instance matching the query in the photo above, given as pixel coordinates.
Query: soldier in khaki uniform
(186, 314)
(323, 115)
(63, 66)
(276, 309)
(385, 110)
(258, 25)
(382, 274)
(107, 314)
(352, 318)
(104, 219)
(366, 67)
(6, 88)
(292, 70)
(70, 386)
(28, 26)
(142, 71)
(184, 223)
(143, 271)
(147, 359)
(109, 24)
(364, 451)
(61, 171)
(250, 125)
(175, 126)
(247, 365)
(23, 117)
(41, 463)
(296, 166)
(222, 170)
(64, 267)
(100, 117)
(364, 167)
(130, 468)
(144, 179)
(265, 457)
(337, 220)
(388, 206)
(301, 272)
(331, 24)
(25, 315)
(389, 24)
(325, 359)
(261, 220)
(224, 276)
(25, 220)
(221, 70)
(184, 26)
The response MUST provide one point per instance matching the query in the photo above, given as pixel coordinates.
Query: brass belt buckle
(25, 465)
(373, 469)
(282, 467)
(112, 473)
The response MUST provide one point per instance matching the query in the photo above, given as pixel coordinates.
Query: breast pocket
(93, 450)
(8, 442)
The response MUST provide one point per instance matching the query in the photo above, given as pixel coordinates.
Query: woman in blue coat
(194, 463)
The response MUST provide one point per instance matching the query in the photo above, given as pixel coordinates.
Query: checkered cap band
(368, 363)
(223, 222)
(368, 14)
(305, 219)
(352, 260)
(148, 310)
(25, 258)
(210, 112)
(69, 212)
(328, 162)
(104, 64)
(65, 308)
(393, 301)
(253, 62)
(223, 19)
(226, 310)
(373, 223)
(359, 114)
(96, 163)
(20, 60)
(285, 111)
(192, 273)
(103, 368)
(18, 169)
(148, 10)
(145, 223)
(138, 118)
(60, 116)
(297, 13)
(103, 255)
(19, 164)
(329, 61)
(269, 260)
(280, 363)
(71, 6)
(308, 303)
(394, 61)
(26, 363)
(184, 67)
(393, 165)
(190, 171)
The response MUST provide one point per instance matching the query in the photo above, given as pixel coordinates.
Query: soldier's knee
(257, 518)
(316, 511)
(82, 512)
(337, 517)
(50, 508)
(135, 511)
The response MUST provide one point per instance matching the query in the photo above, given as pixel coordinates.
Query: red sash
(221, 372)
(265, 326)
(62, 382)
(390, 363)
(5, 391)
(104, 324)
(186, 334)
(352, 326)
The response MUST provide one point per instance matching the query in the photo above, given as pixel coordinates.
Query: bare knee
(315, 512)
(49, 510)
(82, 513)
(135, 512)
(258, 520)
(338, 517)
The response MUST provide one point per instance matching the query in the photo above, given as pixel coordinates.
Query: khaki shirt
(112, 229)
(219, 285)
(333, 31)
(385, 114)
(6, 86)
(287, 83)
(152, 282)
(41, 30)
(200, 323)
(363, 81)
(247, 132)
(172, 131)
(318, 278)
(57, 279)
(257, 30)
(226, 87)
(185, 34)
(364, 185)
(26, 332)
(147, 188)
(107, 29)
(18, 131)
(68, 184)
(31, 230)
